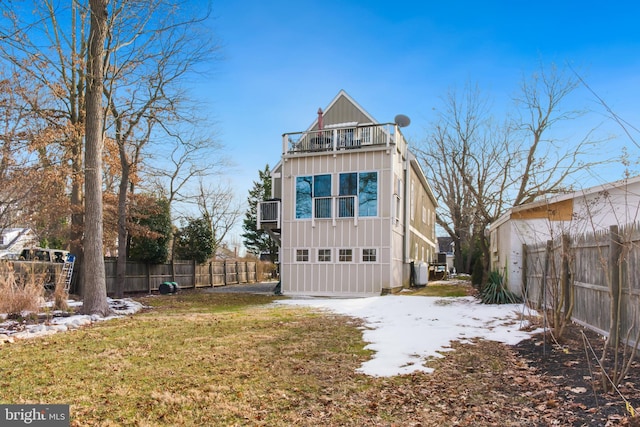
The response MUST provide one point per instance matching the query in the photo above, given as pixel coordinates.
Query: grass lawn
(201, 359)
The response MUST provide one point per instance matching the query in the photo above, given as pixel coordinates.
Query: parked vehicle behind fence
(44, 254)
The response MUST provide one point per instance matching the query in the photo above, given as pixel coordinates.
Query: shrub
(495, 292)
(60, 294)
(20, 293)
(477, 272)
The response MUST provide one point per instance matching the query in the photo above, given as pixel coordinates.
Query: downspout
(407, 207)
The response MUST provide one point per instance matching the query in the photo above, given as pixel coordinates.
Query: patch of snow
(119, 307)
(405, 331)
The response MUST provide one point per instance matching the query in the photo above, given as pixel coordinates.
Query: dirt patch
(571, 366)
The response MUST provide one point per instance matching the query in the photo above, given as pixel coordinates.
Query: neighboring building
(16, 239)
(352, 208)
(446, 253)
(593, 209)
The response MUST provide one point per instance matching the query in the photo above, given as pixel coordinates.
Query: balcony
(269, 215)
(345, 137)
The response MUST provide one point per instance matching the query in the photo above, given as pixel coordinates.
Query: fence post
(615, 250)
(237, 273)
(542, 298)
(565, 280)
(525, 287)
(148, 268)
(224, 272)
(195, 276)
(211, 273)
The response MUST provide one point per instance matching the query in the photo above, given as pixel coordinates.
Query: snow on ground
(406, 330)
(60, 322)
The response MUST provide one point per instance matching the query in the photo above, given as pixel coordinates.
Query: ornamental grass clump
(20, 293)
(495, 292)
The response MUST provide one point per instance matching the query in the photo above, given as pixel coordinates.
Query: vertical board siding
(336, 278)
(590, 273)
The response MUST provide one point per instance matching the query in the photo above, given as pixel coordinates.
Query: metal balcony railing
(269, 214)
(342, 138)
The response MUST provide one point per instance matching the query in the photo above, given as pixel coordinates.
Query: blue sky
(282, 60)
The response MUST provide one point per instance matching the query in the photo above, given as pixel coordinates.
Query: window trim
(297, 260)
(350, 255)
(375, 254)
(321, 252)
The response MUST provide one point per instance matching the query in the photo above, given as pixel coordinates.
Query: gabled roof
(344, 96)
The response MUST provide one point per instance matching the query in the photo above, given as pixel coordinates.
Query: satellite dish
(402, 120)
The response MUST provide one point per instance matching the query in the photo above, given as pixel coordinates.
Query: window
(398, 199)
(362, 185)
(303, 196)
(345, 255)
(369, 255)
(368, 194)
(314, 199)
(347, 191)
(322, 196)
(324, 255)
(313, 192)
(413, 201)
(302, 255)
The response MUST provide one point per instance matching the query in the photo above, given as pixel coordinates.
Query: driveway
(251, 288)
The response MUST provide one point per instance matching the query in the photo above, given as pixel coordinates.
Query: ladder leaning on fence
(67, 271)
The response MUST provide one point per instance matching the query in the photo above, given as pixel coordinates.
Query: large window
(313, 192)
(347, 191)
(304, 186)
(322, 196)
(355, 190)
(364, 187)
(368, 194)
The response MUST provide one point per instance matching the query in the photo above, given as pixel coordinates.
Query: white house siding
(610, 206)
(506, 246)
(593, 209)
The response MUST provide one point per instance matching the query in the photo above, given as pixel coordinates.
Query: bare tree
(152, 47)
(193, 157)
(447, 156)
(218, 206)
(48, 45)
(95, 290)
(485, 166)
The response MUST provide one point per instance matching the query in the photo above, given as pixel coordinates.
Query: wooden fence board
(591, 277)
(141, 277)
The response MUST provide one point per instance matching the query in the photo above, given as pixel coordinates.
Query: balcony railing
(269, 215)
(335, 207)
(342, 138)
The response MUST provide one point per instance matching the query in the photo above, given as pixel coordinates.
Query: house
(352, 210)
(589, 210)
(13, 240)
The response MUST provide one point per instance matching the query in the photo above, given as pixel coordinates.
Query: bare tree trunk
(95, 289)
(123, 238)
(77, 212)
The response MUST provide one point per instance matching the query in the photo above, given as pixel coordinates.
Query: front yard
(197, 359)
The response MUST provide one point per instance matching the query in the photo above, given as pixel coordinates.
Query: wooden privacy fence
(142, 277)
(597, 275)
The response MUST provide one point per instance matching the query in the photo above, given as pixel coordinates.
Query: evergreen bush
(495, 292)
